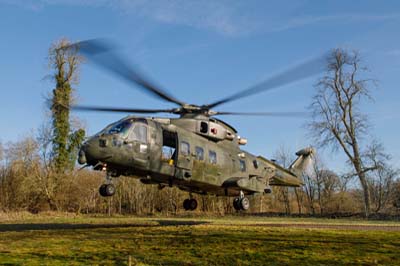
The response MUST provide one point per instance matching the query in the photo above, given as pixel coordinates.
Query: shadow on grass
(63, 226)
(178, 222)
(67, 226)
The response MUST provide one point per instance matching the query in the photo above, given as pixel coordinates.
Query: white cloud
(225, 17)
(303, 21)
(216, 15)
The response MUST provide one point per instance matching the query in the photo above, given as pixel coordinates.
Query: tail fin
(302, 162)
(293, 175)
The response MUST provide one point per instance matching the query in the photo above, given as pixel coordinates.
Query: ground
(234, 240)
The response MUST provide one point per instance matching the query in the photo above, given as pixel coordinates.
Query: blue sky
(201, 51)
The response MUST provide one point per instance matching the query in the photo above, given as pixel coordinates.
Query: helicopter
(196, 151)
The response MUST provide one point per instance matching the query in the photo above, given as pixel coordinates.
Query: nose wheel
(241, 203)
(107, 190)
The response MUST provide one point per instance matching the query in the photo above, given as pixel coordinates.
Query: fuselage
(165, 152)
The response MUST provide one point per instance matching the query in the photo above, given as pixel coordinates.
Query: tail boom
(292, 176)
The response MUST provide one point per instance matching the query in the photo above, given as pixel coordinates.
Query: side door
(168, 153)
(185, 159)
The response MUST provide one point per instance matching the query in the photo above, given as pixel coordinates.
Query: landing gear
(107, 190)
(268, 190)
(241, 202)
(190, 204)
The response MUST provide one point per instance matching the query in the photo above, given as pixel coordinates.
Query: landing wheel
(193, 204)
(236, 204)
(190, 204)
(107, 190)
(186, 204)
(241, 204)
(102, 190)
(110, 190)
(244, 204)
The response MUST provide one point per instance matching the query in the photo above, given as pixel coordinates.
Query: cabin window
(185, 148)
(255, 164)
(199, 153)
(242, 165)
(139, 133)
(168, 153)
(204, 127)
(212, 157)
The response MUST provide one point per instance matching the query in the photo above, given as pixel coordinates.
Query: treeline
(29, 183)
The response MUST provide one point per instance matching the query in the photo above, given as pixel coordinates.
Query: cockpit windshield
(121, 128)
(129, 129)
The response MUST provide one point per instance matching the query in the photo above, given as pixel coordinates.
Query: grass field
(82, 240)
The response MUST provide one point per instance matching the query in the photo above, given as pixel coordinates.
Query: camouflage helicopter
(196, 151)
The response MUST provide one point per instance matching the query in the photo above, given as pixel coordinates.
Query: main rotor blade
(101, 52)
(121, 110)
(296, 73)
(273, 114)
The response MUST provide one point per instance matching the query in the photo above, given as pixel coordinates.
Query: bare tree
(323, 188)
(18, 190)
(283, 157)
(337, 119)
(313, 185)
(331, 190)
(46, 178)
(396, 195)
(1, 151)
(381, 180)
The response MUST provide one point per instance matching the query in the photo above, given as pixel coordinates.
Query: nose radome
(94, 150)
(82, 156)
(90, 149)
(87, 152)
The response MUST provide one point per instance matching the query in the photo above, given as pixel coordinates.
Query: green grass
(193, 241)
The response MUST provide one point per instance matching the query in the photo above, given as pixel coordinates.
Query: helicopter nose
(82, 156)
(93, 151)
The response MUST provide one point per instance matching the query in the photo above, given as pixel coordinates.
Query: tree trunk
(364, 184)
(298, 200)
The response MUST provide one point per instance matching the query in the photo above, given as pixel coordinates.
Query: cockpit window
(106, 129)
(121, 128)
(139, 133)
(131, 129)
